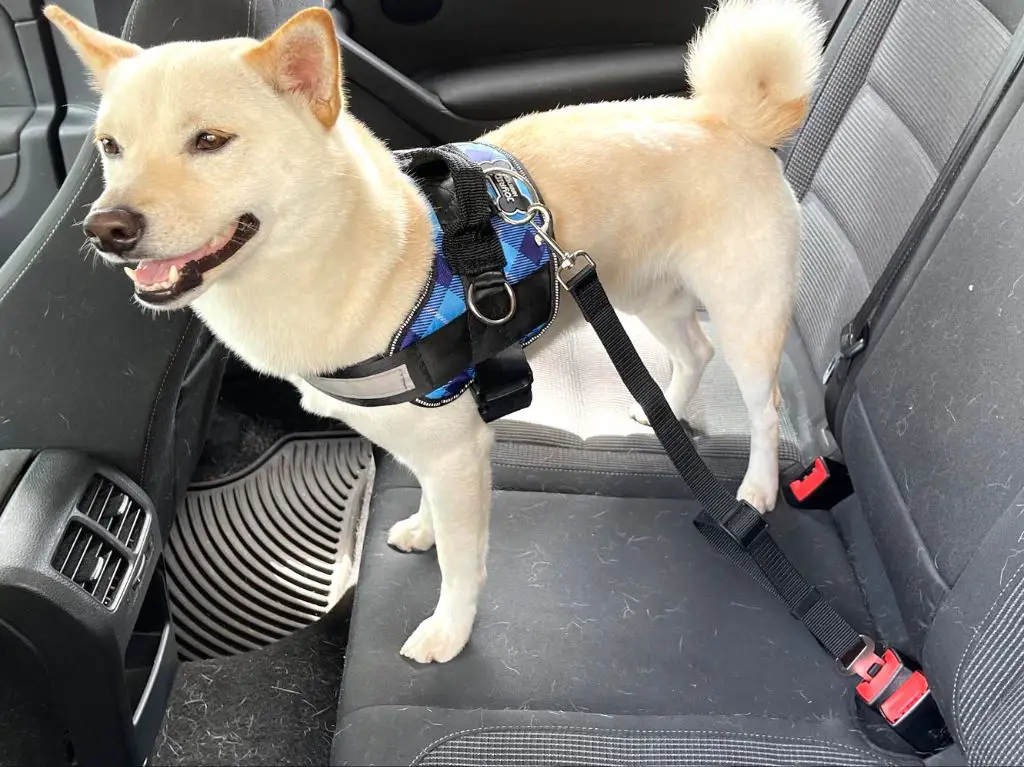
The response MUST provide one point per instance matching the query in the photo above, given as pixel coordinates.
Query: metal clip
(569, 265)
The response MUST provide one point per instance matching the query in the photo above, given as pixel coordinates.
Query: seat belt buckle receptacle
(902, 697)
(820, 485)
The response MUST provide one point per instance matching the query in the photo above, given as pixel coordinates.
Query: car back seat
(610, 633)
(905, 78)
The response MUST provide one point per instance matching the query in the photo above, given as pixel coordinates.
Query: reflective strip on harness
(389, 383)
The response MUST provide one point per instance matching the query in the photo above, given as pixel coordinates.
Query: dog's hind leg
(674, 324)
(752, 335)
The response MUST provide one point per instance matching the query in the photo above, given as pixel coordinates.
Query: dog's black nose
(114, 230)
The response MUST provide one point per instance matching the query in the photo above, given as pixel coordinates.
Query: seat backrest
(82, 366)
(907, 76)
(934, 439)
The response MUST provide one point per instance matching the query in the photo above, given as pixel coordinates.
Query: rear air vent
(90, 562)
(105, 503)
(92, 559)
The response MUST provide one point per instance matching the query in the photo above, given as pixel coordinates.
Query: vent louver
(105, 503)
(90, 562)
(89, 558)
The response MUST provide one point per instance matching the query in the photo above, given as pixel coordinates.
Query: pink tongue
(149, 272)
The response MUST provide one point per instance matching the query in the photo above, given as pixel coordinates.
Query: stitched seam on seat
(129, 31)
(928, 562)
(53, 229)
(778, 739)
(542, 467)
(159, 394)
(916, 143)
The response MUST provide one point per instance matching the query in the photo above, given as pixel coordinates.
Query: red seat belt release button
(803, 487)
(889, 686)
(905, 699)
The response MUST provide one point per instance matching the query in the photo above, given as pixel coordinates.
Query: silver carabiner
(569, 264)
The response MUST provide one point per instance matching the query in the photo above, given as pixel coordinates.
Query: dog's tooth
(173, 275)
(130, 272)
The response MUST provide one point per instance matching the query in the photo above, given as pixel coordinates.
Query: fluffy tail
(754, 65)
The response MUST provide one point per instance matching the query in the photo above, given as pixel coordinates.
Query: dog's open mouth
(165, 279)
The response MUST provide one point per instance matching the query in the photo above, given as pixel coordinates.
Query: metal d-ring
(471, 303)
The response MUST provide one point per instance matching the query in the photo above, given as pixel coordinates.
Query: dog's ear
(99, 52)
(302, 57)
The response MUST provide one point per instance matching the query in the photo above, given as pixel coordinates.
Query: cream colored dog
(238, 185)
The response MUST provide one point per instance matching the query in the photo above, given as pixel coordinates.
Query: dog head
(208, 149)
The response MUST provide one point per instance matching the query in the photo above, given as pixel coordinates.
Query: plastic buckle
(902, 696)
(821, 485)
(756, 524)
(503, 384)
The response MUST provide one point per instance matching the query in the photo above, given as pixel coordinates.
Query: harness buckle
(503, 384)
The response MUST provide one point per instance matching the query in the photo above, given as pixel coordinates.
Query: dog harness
(492, 291)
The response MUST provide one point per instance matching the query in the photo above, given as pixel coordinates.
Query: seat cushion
(604, 635)
(580, 418)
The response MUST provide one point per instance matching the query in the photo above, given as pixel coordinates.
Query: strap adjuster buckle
(751, 529)
(850, 346)
(503, 384)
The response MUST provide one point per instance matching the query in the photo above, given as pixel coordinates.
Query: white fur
(692, 204)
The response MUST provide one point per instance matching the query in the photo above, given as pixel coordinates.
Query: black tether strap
(735, 528)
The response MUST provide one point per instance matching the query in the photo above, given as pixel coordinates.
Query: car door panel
(452, 69)
(28, 178)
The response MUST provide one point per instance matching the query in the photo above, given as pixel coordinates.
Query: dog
(237, 184)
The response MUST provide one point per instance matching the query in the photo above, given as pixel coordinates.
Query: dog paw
(760, 497)
(637, 414)
(437, 640)
(411, 534)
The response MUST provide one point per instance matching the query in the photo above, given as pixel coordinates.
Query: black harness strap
(472, 247)
(857, 334)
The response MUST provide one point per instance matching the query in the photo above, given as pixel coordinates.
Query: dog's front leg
(456, 504)
(448, 449)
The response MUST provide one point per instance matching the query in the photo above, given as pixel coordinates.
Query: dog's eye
(110, 147)
(211, 141)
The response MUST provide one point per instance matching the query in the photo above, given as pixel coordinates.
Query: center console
(83, 599)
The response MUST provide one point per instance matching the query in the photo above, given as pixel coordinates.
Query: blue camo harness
(448, 342)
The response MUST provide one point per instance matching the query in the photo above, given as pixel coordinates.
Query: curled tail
(754, 64)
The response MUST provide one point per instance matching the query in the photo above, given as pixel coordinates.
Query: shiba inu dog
(238, 185)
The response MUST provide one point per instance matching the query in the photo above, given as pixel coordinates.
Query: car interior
(195, 571)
